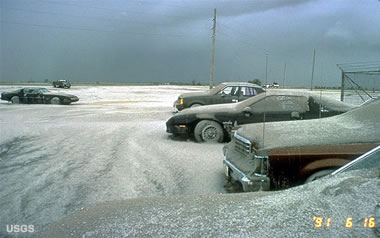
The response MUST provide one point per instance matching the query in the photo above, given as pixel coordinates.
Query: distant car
(369, 160)
(38, 95)
(283, 154)
(223, 93)
(214, 123)
(273, 85)
(61, 84)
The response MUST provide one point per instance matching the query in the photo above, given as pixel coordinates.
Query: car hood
(194, 94)
(225, 108)
(360, 125)
(230, 215)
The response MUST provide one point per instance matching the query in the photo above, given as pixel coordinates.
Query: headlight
(181, 101)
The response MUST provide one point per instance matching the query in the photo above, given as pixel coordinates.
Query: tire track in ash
(140, 169)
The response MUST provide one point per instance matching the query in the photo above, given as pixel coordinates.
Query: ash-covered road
(57, 159)
(112, 146)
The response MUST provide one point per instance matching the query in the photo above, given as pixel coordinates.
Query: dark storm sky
(167, 41)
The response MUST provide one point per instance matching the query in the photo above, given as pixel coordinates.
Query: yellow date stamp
(320, 222)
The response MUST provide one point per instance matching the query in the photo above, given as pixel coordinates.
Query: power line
(87, 29)
(117, 10)
(85, 17)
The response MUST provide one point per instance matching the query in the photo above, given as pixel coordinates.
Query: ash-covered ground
(112, 145)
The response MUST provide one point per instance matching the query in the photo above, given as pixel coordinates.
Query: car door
(27, 95)
(33, 96)
(228, 94)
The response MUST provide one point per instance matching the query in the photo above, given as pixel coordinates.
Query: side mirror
(223, 94)
(247, 111)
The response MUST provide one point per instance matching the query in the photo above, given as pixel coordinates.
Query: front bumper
(177, 129)
(177, 106)
(76, 99)
(250, 182)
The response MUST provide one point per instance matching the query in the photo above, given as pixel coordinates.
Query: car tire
(208, 131)
(55, 100)
(15, 100)
(318, 175)
(196, 105)
(66, 101)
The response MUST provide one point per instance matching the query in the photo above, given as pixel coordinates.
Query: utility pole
(283, 78)
(312, 72)
(213, 51)
(266, 68)
(342, 85)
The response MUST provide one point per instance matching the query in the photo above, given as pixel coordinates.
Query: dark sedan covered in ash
(266, 156)
(213, 123)
(228, 92)
(38, 95)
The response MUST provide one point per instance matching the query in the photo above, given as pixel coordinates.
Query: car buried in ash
(214, 123)
(39, 96)
(277, 155)
(228, 92)
(369, 160)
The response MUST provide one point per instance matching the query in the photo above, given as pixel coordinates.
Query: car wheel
(15, 100)
(66, 101)
(318, 175)
(55, 100)
(208, 131)
(196, 105)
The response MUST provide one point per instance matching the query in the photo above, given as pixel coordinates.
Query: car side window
(248, 91)
(282, 104)
(230, 90)
(27, 91)
(226, 90)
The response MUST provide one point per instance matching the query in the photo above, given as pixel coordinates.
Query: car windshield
(371, 160)
(216, 89)
(43, 90)
(156, 108)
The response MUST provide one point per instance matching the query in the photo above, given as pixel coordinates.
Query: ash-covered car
(214, 123)
(369, 160)
(228, 92)
(61, 84)
(38, 95)
(278, 155)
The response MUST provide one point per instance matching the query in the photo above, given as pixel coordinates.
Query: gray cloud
(151, 41)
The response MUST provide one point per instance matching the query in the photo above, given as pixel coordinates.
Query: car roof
(241, 84)
(33, 88)
(319, 98)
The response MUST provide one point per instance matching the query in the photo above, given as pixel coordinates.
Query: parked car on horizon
(228, 92)
(38, 95)
(266, 156)
(214, 123)
(61, 84)
(272, 85)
